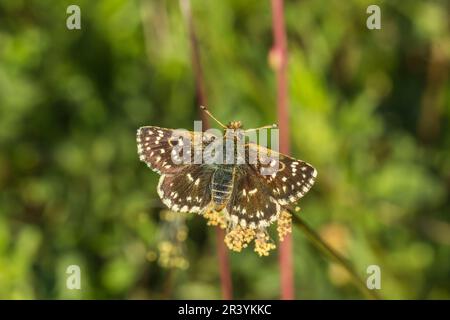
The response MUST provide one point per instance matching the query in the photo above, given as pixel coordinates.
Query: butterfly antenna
(214, 118)
(271, 126)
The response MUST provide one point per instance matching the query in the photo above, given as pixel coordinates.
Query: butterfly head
(234, 125)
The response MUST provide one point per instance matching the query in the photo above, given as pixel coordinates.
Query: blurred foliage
(369, 109)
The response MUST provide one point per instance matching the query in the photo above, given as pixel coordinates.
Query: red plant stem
(224, 264)
(279, 59)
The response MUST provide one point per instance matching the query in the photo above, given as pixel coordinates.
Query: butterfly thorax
(222, 185)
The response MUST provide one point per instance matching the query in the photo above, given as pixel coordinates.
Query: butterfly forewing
(169, 150)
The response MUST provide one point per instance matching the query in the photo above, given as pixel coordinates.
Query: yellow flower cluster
(215, 219)
(284, 225)
(239, 238)
(171, 253)
(263, 244)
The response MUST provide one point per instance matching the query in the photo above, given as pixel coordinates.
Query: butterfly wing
(264, 186)
(169, 150)
(184, 186)
(188, 190)
(251, 204)
(287, 179)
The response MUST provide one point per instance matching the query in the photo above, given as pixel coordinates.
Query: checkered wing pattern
(161, 148)
(287, 179)
(187, 191)
(183, 186)
(261, 189)
(251, 204)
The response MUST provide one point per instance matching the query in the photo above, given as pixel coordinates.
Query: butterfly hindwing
(251, 204)
(188, 190)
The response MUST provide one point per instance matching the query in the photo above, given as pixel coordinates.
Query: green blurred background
(370, 109)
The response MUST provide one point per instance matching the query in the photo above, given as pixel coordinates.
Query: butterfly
(248, 193)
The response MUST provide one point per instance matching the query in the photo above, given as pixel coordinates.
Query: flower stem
(328, 251)
(278, 57)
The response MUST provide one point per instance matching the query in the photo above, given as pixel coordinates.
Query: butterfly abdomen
(222, 186)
